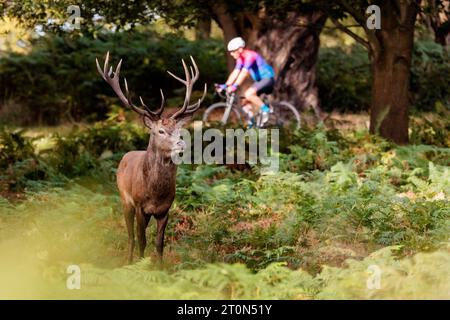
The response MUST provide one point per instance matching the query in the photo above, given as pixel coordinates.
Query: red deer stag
(147, 179)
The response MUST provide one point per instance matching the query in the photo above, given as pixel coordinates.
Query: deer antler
(113, 81)
(189, 82)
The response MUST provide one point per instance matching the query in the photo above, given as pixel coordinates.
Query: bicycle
(282, 113)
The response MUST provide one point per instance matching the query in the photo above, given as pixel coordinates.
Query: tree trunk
(391, 61)
(293, 53)
(227, 24)
(203, 29)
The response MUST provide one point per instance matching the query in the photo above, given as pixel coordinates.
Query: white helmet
(236, 43)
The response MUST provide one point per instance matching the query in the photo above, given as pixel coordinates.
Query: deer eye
(161, 131)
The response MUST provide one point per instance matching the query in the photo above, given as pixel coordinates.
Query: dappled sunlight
(14, 37)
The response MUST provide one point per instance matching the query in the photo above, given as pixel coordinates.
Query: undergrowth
(341, 203)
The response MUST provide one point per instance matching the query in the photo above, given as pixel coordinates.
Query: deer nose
(181, 144)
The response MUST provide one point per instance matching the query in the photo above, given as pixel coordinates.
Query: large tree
(390, 52)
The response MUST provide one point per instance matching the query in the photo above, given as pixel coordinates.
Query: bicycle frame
(230, 100)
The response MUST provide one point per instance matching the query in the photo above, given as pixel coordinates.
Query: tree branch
(303, 25)
(351, 33)
(359, 18)
(373, 43)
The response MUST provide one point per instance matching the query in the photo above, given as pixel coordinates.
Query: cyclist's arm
(233, 76)
(241, 77)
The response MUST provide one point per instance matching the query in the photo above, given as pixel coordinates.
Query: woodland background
(368, 186)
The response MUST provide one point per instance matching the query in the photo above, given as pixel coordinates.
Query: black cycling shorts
(264, 86)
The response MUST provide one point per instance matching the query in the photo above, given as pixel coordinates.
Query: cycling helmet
(236, 43)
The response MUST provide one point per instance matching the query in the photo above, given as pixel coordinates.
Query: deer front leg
(161, 223)
(129, 220)
(142, 223)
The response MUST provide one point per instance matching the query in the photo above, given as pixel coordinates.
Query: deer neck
(158, 166)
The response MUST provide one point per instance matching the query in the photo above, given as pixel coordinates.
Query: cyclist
(249, 62)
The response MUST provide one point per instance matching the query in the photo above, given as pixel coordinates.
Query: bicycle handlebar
(221, 92)
(224, 94)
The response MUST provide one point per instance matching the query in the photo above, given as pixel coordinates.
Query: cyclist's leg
(265, 85)
(247, 107)
(252, 96)
(261, 109)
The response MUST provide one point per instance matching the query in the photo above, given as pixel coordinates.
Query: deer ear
(148, 122)
(183, 119)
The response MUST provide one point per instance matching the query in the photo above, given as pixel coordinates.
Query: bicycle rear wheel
(215, 114)
(283, 115)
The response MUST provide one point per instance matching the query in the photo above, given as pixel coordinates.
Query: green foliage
(18, 161)
(423, 276)
(81, 152)
(66, 69)
(432, 128)
(311, 149)
(198, 186)
(429, 76)
(14, 147)
(33, 12)
(57, 228)
(344, 79)
(232, 234)
(87, 149)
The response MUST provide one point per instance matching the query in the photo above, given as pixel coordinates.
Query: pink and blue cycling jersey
(255, 64)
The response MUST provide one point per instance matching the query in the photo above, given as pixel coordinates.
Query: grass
(341, 204)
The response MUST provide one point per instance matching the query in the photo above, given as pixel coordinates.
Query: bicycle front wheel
(215, 113)
(284, 115)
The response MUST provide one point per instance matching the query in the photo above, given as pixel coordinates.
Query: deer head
(165, 138)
